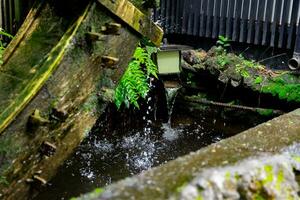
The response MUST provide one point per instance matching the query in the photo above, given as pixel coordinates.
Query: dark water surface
(100, 161)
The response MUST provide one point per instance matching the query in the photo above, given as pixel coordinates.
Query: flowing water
(100, 161)
(171, 94)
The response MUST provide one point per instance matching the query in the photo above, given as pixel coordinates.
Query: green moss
(260, 194)
(289, 92)
(199, 198)
(269, 174)
(22, 96)
(144, 4)
(296, 158)
(8, 149)
(237, 176)
(227, 175)
(265, 112)
(258, 80)
(91, 104)
(180, 188)
(93, 195)
(280, 179)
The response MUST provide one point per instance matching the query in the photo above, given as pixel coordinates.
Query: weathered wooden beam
(28, 23)
(123, 9)
(56, 75)
(133, 17)
(41, 76)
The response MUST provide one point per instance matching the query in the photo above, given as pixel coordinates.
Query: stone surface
(264, 177)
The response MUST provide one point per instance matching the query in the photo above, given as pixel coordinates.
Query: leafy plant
(3, 180)
(223, 60)
(241, 69)
(2, 43)
(258, 80)
(223, 42)
(135, 81)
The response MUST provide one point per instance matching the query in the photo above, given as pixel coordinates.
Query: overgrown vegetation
(2, 43)
(282, 89)
(239, 71)
(135, 81)
(222, 44)
(224, 59)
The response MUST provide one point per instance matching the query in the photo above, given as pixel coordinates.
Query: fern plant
(135, 81)
(223, 41)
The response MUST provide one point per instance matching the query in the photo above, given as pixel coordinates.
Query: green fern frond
(134, 83)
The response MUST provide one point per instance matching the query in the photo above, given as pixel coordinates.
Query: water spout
(171, 94)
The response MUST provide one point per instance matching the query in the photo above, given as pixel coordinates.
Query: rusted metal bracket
(133, 17)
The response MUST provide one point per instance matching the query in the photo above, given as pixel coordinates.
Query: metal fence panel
(262, 22)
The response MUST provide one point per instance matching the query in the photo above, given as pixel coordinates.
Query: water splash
(139, 152)
(140, 147)
(169, 133)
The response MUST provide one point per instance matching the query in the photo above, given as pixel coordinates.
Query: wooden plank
(45, 71)
(10, 49)
(133, 17)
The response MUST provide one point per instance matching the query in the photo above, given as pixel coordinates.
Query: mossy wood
(134, 18)
(54, 86)
(34, 80)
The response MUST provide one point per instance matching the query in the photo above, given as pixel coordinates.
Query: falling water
(171, 94)
(169, 133)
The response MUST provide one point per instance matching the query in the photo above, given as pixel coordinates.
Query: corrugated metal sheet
(262, 22)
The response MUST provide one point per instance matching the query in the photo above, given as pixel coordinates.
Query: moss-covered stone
(238, 71)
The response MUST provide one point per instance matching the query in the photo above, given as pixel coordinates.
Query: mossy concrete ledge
(165, 181)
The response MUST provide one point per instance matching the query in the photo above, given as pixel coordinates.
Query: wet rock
(223, 78)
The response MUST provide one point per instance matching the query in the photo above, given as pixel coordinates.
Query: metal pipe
(294, 63)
